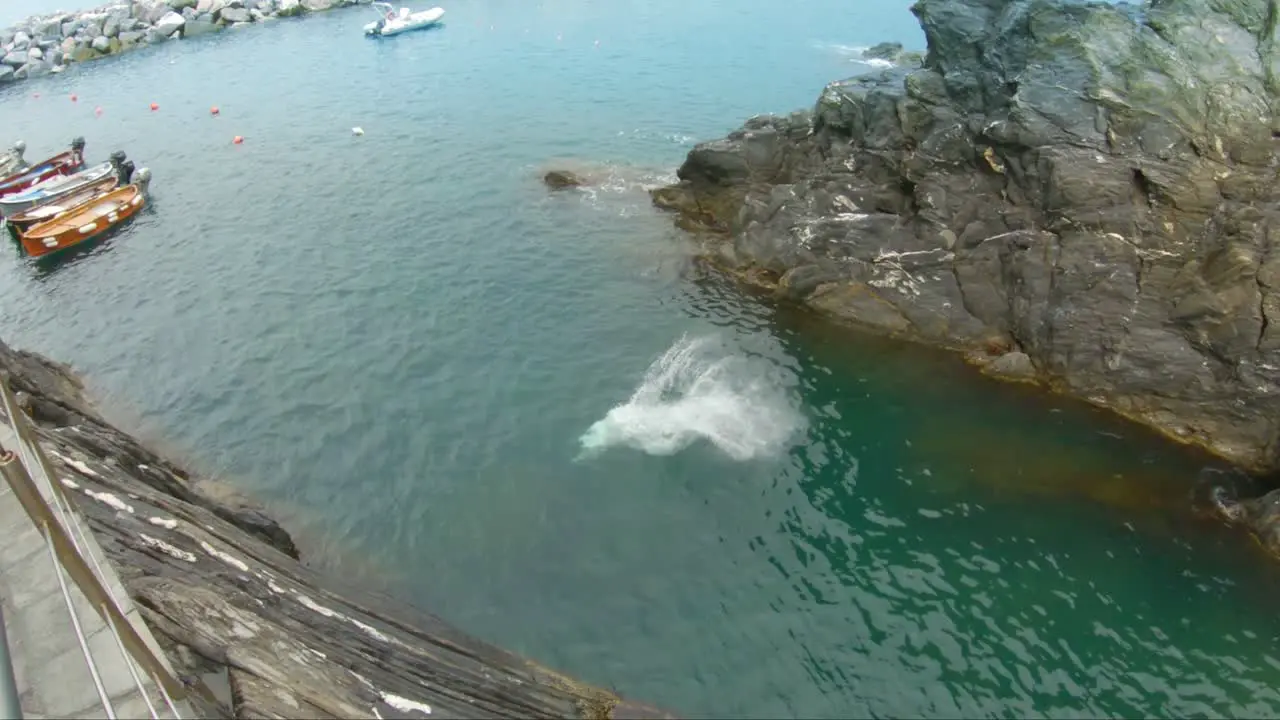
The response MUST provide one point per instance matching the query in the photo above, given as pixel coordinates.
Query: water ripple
(402, 337)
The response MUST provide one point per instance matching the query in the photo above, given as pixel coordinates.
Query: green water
(532, 413)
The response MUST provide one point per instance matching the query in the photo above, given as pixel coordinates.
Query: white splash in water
(854, 54)
(700, 390)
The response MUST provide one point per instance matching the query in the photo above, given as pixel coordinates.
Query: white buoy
(357, 131)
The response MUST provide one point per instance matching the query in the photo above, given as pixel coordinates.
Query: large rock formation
(220, 585)
(1085, 191)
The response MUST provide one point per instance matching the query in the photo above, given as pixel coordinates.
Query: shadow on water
(46, 266)
(1008, 438)
(420, 31)
(1013, 444)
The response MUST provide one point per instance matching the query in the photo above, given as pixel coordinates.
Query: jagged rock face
(1091, 185)
(221, 588)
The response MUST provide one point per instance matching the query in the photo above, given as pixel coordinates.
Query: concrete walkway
(53, 677)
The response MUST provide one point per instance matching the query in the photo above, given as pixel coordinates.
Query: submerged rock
(1092, 183)
(560, 179)
(220, 586)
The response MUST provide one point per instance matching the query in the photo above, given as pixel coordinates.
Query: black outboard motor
(77, 146)
(124, 172)
(117, 159)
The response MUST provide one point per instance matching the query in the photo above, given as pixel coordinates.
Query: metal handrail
(67, 553)
(9, 703)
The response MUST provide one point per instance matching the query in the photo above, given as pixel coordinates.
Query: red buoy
(73, 97)
(214, 110)
(237, 140)
(154, 107)
(97, 110)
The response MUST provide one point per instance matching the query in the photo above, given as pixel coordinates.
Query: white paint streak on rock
(166, 548)
(76, 465)
(83, 469)
(110, 500)
(166, 523)
(224, 557)
(369, 630)
(405, 704)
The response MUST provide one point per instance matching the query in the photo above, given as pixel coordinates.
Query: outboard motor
(124, 172)
(19, 148)
(143, 179)
(117, 159)
(77, 146)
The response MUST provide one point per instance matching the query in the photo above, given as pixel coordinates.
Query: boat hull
(88, 221)
(52, 188)
(62, 164)
(416, 21)
(21, 222)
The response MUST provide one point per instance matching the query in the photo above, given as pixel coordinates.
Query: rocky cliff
(220, 585)
(1078, 194)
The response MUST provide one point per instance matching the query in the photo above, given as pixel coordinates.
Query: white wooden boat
(392, 22)
(55, 187)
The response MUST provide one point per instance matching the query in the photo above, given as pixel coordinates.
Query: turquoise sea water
(532, 414)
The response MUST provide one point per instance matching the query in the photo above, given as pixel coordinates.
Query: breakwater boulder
(1080, 194)
(248, 626)
(49, 43)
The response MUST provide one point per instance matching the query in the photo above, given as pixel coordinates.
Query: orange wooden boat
(25, 220)
(85, 222)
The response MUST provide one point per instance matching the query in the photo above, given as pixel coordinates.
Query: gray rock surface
(201, 25)
(220, 586)
(234, 15)
(1088, 184)
(130, 39)
(169, 24)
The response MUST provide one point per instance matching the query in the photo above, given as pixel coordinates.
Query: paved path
(49, 666)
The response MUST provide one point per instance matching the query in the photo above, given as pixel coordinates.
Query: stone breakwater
(221, 587)
(49, 43)
(1075, 194)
